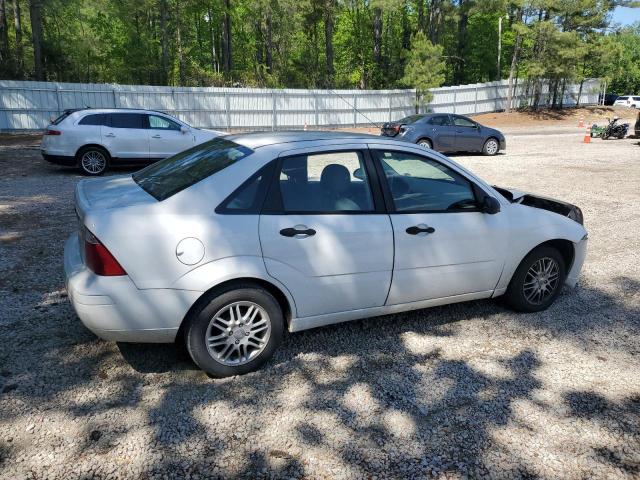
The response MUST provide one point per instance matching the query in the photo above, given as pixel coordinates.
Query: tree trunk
(164, 42)
(579, 93)
(420, 15)
(268, 43)
(226, 39)
(377, 36)
(17, 25)
(462, 37)
(215, 65)
(4, 39)
(182, 77)
(434, 20)
(328, 41)
(35, 11)
(512, 71)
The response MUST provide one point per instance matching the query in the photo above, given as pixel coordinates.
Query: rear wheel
(537, 281)
(425, 142)
(234, 332)
(491, 147)
(93, 160)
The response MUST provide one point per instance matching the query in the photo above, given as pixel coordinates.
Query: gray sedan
(446, 132)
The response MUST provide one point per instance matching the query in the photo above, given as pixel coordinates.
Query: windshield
(171, 175)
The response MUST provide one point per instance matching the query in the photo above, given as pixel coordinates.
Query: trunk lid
(110, 192)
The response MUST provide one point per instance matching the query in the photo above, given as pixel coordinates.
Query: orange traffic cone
(587, 136)
(306, 127)
(581, 122)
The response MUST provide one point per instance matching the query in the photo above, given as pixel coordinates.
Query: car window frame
(274, 205)
(453, 122)
(476, 190)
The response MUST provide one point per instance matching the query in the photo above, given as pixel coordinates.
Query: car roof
(98, 110)
(255, 140)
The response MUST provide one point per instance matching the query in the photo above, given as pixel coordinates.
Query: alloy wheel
(492, 147)
(93, 161)
(238, 333)
(541, 280)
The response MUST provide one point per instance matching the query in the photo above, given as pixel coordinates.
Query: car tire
(223, 339)
(425, 142)
(93, 160)
(530, 293)
(491, 147)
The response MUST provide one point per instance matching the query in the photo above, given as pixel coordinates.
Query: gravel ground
(469, 390)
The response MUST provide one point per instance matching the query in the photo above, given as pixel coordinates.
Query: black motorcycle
(615, 129)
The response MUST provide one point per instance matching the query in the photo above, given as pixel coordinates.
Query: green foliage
(323, 43)
(425, 67)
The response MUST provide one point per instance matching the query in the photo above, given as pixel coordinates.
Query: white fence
(30, 105)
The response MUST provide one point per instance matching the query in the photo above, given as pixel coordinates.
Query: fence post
(58, 99)
(274, 112)
(475, 101)
(390, 99)
(173, 99)
(227, 107)
(355, 110)
(115, 98)
(455, 99)
(315, 108)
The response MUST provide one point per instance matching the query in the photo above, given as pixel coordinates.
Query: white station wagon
(227, 244)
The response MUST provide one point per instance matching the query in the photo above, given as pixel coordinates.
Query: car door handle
(110, 135)
(299, 230)
(156, 136)
(416, 229)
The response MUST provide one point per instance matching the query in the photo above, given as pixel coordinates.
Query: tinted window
(622, 98)
(127, 120)
(171, 175)
(442, 120)
(249, 196)
(411, 119)
(419, 184)
(325, 183)
(162, 123)
(99, 119)
(636, 99)
(463, 122)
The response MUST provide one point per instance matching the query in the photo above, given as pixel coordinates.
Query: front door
(323, 234)
(125, 136)
(442, 132)
(166, 137)
(444, 245)
(468, 137)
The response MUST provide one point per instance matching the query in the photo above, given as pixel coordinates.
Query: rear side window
(172, 175)
(442, 120)
(127, 120)
(622, 98)
(99, 119)
(162, 123)
(637, 99)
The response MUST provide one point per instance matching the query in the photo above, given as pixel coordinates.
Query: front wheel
(537, 281)
(93, 161)
(234, 332)
(491, 147)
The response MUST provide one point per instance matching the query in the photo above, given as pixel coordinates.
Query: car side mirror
(490, 205)
(358, 173)
(184, 129)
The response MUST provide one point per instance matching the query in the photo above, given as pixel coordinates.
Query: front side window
(127, 120)
(420, 184)
(162, 123)
(463, 122)
(173, 174)
(325, 183)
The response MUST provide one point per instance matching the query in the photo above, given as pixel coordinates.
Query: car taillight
(98, 258)
(52, 132)
(396, 128)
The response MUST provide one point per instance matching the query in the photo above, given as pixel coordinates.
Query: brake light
(52, 132)
(98, 258)
(396, 128)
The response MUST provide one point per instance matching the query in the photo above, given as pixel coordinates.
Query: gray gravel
(469, 390)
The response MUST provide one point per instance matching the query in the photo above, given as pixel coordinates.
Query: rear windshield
(411, 119)
(171, 175)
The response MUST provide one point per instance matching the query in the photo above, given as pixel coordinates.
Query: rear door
(166, 137)
(442, 132)
(468, 137)
(126, 136)
(324, 232)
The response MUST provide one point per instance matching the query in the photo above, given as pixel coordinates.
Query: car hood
(109, 192)
(544, 203)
